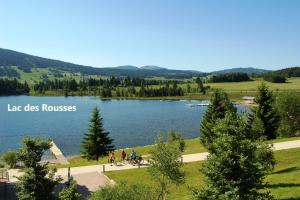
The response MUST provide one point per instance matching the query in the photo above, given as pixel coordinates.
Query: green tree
(10, 158)
(70, 193)
(200, 85)
(219, 105)
(288, 106)
(165, 165)
(96, 142)
(38, 180)
(236, 166)
(188, 88)
(177, 137)
(266, 116)
(124, 191)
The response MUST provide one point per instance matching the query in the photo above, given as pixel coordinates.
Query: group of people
(124, 157)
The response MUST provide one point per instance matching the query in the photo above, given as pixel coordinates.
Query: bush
(274, 78)
(70, 193)
(124, 191)
(10, 158)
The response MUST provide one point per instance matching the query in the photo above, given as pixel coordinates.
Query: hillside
(288, 72)
(26, 63)
(248, 70)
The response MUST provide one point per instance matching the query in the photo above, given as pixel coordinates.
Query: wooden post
(69, 175)
(181, 159)
(139, 165)
(103, 168)
(7, 176)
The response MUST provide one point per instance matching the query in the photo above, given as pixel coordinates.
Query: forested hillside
(26, 63)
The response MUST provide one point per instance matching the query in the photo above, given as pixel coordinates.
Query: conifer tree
(237, 163)
(266, 117)
(38, 180)
(96, 142)
(219, 105)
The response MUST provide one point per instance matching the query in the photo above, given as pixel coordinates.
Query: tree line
(13, 87)
(114, 86)
(274, 78)
(229, 77)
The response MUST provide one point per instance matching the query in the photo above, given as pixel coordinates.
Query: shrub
(70, 193)
(10, 158)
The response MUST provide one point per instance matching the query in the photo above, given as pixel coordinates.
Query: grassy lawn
(284, 182)
(236, 90)
(192, 146)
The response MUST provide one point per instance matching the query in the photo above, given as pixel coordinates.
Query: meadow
(283, 182)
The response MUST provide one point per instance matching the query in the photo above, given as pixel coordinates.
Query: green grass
(192, 146)
(284, 182)
(236, 90)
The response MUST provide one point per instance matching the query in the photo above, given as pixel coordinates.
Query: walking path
(80, 173)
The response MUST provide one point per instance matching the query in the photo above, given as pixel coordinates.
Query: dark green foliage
(106, 92)
(13, 87)
(219, 105)
(96, 142)
(166, 90)
(70, 193)
(288, 106)
(274, 78)
(237, 164)
(125, 191)
(229, 77)
(10, 158)
(123, 87)
(38, 180)
(165, 165)
(177, 137)
(9, 72)
(266, 118)
(289, 72)
(32, 151)
(203, 89)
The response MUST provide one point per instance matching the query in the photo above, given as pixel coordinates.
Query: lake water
(130, 122)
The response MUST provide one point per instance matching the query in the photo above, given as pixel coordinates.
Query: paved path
(92, 183)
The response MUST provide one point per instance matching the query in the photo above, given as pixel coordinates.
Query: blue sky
(192, 34)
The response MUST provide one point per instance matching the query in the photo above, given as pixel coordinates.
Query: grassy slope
(284, 182)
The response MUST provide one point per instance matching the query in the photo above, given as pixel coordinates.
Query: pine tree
(38, 180)
(266, 117)
(237, 163)
(96, 142)
(219, 105)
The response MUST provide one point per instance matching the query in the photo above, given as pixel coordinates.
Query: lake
(130, 122)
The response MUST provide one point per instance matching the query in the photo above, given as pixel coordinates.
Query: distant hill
(248, 70)
(26, 62)
(288, 72)
(153, 67)
(127, 67)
